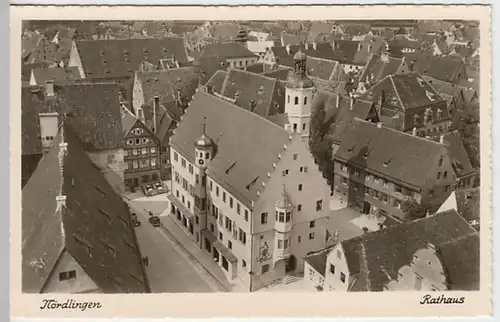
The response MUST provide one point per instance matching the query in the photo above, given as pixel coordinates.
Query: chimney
(252, 104)
(60, 202)
(315, 46)
(379, 125)
(441, 139)
(414, 131)
(380, 225)
(369, 48)
(352, 103)
(156, 108)
(337, 103)
(307, 46)
(365, 230)
(359, 46)
(210, 89)
(333, 44)
(49, 88)
(384, 57)
(287, 49)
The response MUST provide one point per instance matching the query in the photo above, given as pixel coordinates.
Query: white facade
(298, 108)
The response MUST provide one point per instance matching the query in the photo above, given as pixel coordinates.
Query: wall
(332, 280)
(137, 94)
(75, 61)
(113, 172)
(300, 113)
(314, 188)
(245, 61)
(315, 277)
(81, 284)
(48, 128)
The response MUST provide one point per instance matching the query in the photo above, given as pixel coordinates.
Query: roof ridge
(253, 74)
(422, 139)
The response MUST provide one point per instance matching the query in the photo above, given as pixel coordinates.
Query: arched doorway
(291, 264)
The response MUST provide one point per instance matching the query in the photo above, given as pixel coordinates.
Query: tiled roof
(128, 122)
(412, 162)
(443, 87)
(292, 40)
(209, 66)
(217, 81)
(94, 227)
(458, 154)
(94, 111)
(387, 250)
(282, 73)
(318, 260)
(257, 68)
(442, 68)
(245, 141)
(30, 123)
(254, 92)
(27, 68)
(29, 44)
(318, 27)
(226, 50)
(338, 118)
(357, 30)
(323, 50)
(113, 58)
(345, 51)
(167, 83)
(225, 31)
(377, 69)
(461, 259)
(57, 74)
(324, 69)
(408, 90)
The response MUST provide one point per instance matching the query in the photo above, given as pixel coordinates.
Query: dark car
(158, 185)
(155, 221)
(135, 220)
(148, 190)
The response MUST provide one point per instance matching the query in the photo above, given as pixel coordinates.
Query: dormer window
(386, 162)
(367, 153)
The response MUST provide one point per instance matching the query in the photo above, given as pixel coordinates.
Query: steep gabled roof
(226, 50)
(94, 227)
(245, 140)
(389, 152)
(31, 142)
(458, 154)
(217, 81)
(285, 58)
(377, 68)
(378, 256)
(93, 108)
(443, 68)
(115, 58)
(254, 92)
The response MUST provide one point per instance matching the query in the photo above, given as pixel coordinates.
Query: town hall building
(247, 191)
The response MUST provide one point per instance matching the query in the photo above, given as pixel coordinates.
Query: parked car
(148, 190)
(135, 220)
(160, 188)
(155, 221)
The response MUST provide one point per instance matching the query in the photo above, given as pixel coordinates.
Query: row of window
(434, 130)
(296, 100)
(138, 141)
(225, 199)
(141, 164)
(140, 151)
(376, 180)
(228, 224)
(342, 275)
(285, 172)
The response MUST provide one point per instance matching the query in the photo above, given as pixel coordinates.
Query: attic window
(261, 89)
(230, 167)
(252, 183)
(350, 149)
(110, 249)
(386, 163)
(101, 53)
(84, 244)
(108, 217)
(367, 153)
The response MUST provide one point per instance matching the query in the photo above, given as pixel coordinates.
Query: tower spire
(204, 125)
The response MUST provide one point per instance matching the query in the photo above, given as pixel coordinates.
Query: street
(169, 271)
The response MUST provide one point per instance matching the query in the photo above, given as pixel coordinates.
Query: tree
(413, 210)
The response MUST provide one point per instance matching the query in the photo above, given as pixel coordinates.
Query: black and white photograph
(251, 156)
